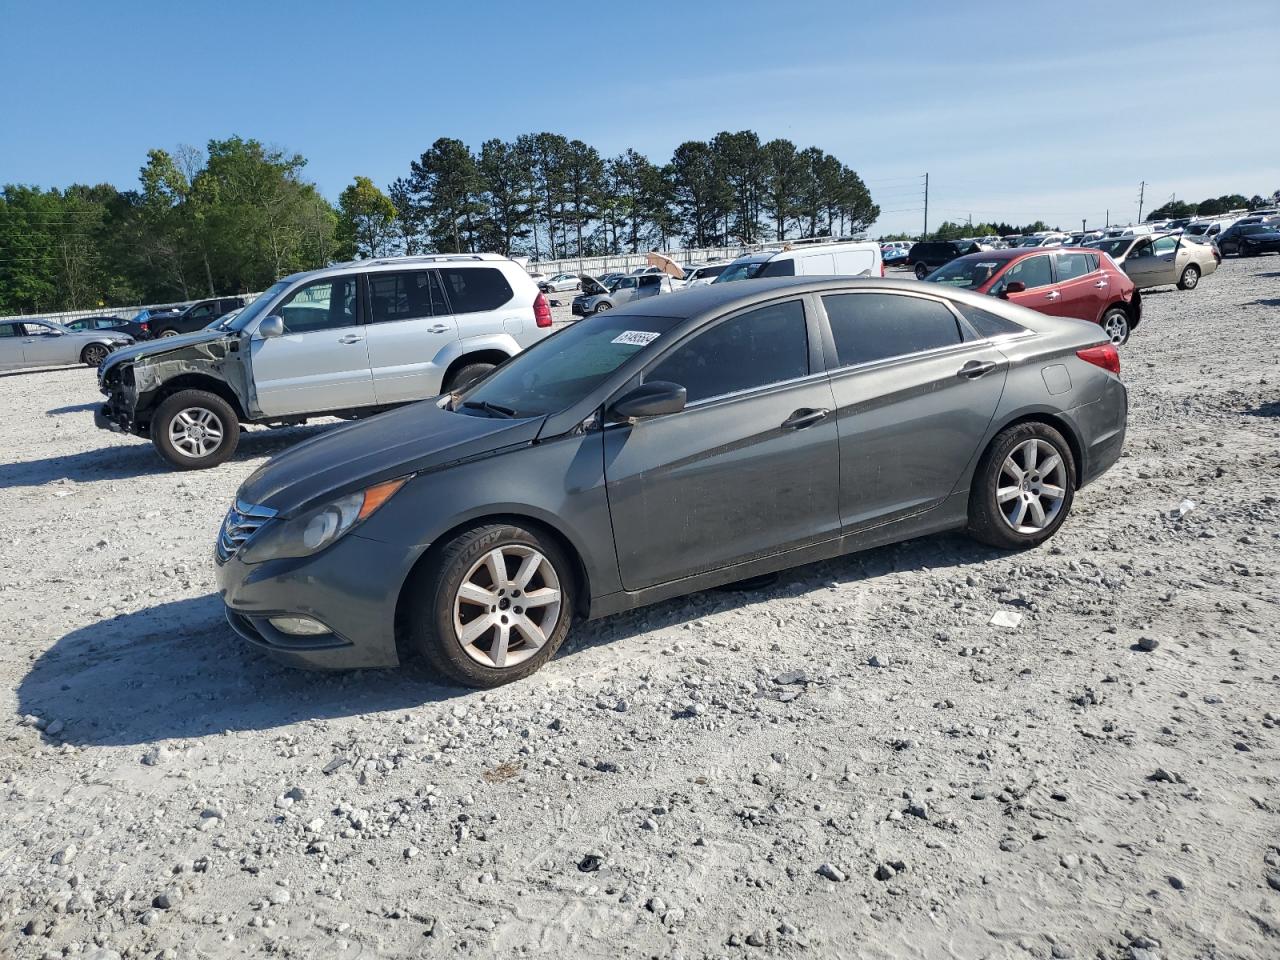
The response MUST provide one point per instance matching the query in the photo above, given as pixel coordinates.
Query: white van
(849, 259)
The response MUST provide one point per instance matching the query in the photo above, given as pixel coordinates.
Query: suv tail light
(1105, 355)
(146, 327)
(541, 310)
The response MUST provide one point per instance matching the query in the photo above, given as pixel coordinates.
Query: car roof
(400, 263)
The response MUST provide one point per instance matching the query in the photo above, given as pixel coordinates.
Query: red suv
(1085, 284)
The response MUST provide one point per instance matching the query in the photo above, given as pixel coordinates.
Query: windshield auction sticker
(636, 338)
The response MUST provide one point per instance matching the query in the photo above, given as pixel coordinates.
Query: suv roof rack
(422, 258)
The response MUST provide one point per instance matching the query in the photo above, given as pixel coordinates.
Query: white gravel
(929, 750)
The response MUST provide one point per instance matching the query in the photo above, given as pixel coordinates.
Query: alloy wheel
(1031, 486)
(1190, 277)
(1116, 327)
(95, 354)
(507, 606)
(196, 432)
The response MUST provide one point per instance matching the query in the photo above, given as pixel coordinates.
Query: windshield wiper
(493, 409)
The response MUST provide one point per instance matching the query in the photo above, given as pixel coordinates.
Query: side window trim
(816, 371)
(968, 335)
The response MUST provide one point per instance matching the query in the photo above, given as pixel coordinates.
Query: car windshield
(966, 273)
(563, 368)
(745, 270)
(251, 312)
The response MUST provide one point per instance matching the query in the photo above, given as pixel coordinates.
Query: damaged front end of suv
(139, 384)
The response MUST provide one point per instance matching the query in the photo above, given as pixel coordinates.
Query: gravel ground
(928, 750)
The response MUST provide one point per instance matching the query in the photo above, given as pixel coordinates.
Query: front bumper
(352, 587)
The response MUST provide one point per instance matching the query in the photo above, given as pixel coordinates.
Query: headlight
(317, 529)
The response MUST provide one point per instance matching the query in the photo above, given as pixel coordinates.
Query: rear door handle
(976, 368)
(350, 338)
(1100, 284)
(804, 417)
(438, 328)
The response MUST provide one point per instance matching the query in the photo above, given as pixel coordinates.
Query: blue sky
(1017, 110)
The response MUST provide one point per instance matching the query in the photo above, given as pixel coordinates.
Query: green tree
(783, 183)
(508, 194)
(447, 186)
(701, 194)
(583, 180)
(366, 220)
(741, 163)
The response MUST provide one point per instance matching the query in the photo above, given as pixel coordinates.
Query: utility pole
(926, 208)
(1108, 216)
(1083, 228)
(1142, 190)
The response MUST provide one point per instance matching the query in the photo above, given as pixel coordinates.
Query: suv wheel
(94, 354)
(1115, 324)
(921, 271)
(1190, 277)
(1023, 487)
(495, 606)
(466, 375)
(194, 429)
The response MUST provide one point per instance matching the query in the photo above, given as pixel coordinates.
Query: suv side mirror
(650, 400)
(1013, 286)
(272, 326)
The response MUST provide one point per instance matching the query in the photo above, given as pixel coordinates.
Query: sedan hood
(152, 348)
(406, 440)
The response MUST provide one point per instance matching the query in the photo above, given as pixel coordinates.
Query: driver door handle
(805, 417)
(438, 328)
(1100, 284)
(350, 338)
(1052, 295)
(976, 368)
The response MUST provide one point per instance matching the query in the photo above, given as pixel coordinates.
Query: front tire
(921, 271)
(1190, 277)
(94, 354)
(168, 332)
(1023, 488)
(1115, 324)
(494, 607)
(603, 307)
(194, 430)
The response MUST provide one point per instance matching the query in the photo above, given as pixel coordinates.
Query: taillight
(541, 311)
(1105, 355)
(146, 327)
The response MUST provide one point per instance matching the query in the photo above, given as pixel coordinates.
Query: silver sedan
(43, 343)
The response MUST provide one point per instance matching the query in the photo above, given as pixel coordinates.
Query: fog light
(299, 626)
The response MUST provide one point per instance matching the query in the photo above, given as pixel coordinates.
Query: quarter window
(404, 296)
(877, 326)
(9, 330)
(1033, 271)
(764, 346)
(322, 305)
(988, 324)
(473, 289)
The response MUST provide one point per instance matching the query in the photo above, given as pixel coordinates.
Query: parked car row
(43, 343)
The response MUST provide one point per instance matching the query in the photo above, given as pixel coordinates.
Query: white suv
(347, 340)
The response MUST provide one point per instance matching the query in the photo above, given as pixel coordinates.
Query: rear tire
(1115, 324)
(921, 271)
(195, 430)
(1190, 277)
(999, 496)
(94, 354)
(167, 332)
(466, 375)
(459, 631)
(603, 308)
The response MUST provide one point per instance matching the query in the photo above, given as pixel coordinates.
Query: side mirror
(650, 400)
(272, 326)
(1013, 286)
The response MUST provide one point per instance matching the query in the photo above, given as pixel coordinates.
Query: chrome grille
(241, 523)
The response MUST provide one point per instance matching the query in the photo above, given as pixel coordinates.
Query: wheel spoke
(528, 567)
(542, 597)
(499, 652)
(530, 631)
(1019, 513)
(474, 593)
(1051, 463)
(1052, 492)
(497, 565)
(1037, 511)
(1005, 494)
(476, 629)
(1013, 470)
(1030, 452)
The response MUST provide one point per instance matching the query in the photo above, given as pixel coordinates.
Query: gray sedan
(666, 447)
(43, 343)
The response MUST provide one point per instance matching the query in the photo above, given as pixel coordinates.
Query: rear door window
(474, 289)
(868, 327)
(761, 347)
(405, 296)
(1072, 265)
